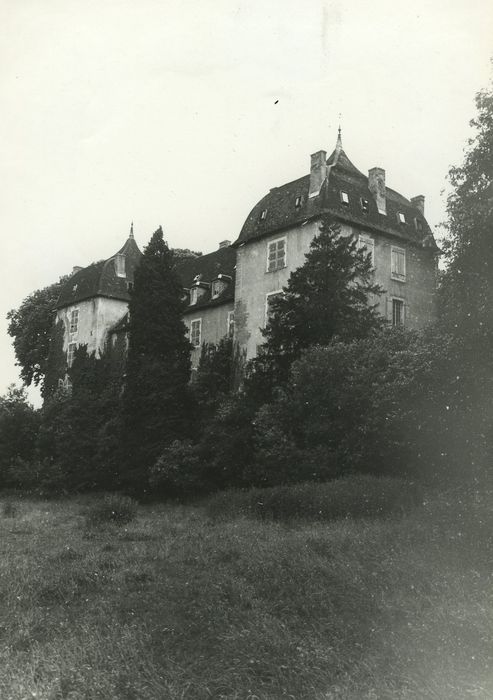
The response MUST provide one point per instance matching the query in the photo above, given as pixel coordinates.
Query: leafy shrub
(41, 476)
(177, 472)
(357, 496)
(113, 508)
(399, 399)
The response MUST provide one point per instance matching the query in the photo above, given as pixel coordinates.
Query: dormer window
(401, 218)
(365, 205)
(344, 198)
(263, 214)
(120, 265)
(218, 286)
(298, 201)
(193, 296)
(130, 286)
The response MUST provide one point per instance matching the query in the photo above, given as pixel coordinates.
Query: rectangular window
(397, 312)
(398, 264)
(193, 296)
(269, 298)
(276, 255)
(70, 353)
(298, 201)
(418, 224)
(263, 214)
(368, 244)
(231, 324)
(401, 218)
(74, 321)
(365, 205)
(345, 198)
(196, 332)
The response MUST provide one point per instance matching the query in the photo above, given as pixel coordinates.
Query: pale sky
(183, 114)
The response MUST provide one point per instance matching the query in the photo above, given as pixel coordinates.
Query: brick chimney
(318, 172)
(75, 269)
(224, 244)
(376, 185)
(419, 203)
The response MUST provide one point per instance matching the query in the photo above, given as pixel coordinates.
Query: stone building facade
(229, 290)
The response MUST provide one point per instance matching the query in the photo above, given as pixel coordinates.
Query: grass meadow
(200, 602)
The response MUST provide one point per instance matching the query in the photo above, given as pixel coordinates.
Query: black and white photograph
(246, 350)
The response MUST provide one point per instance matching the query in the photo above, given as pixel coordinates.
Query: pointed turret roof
(101, 279)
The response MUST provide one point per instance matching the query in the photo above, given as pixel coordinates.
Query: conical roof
(101, 279)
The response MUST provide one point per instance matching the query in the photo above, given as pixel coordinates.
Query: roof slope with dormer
(203, 270)
(101, 279)
(289, 205)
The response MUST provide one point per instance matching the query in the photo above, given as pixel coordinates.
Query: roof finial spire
(131, 235)
(339, 138)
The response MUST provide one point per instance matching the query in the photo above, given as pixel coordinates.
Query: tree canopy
(30, 326)
(466, 292)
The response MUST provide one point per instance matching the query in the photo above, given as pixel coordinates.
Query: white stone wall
(254, 282)
(96, 317)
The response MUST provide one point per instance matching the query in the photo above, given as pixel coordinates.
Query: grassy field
(179, 604)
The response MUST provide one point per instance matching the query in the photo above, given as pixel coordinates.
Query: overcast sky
(183, 114)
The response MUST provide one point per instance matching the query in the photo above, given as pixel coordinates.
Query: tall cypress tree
(155, 399)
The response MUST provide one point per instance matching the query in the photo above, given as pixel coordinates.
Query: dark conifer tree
(156, 406)
(331, 295)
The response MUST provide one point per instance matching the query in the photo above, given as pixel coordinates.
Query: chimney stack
(75, 269)
(419, 203)
(318, 172)
(376, 185)
(224, 244)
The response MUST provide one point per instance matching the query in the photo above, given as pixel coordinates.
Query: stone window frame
(398, 302)
(74, 321)
(193, 323)
(275, 241)
(277, 292)
(194, 296)
(363, 240)
(396, 251)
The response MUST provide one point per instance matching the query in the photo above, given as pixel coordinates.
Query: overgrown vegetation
(175, 605)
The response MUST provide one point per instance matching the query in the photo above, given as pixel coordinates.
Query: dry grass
(176, 605)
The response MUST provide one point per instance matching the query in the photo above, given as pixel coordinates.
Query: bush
(177, 472)
(41, 476)
(358, 496)
(113, 508)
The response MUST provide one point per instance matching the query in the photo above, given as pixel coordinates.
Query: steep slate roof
(342, 175)
(100, 278)
(221, 261)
